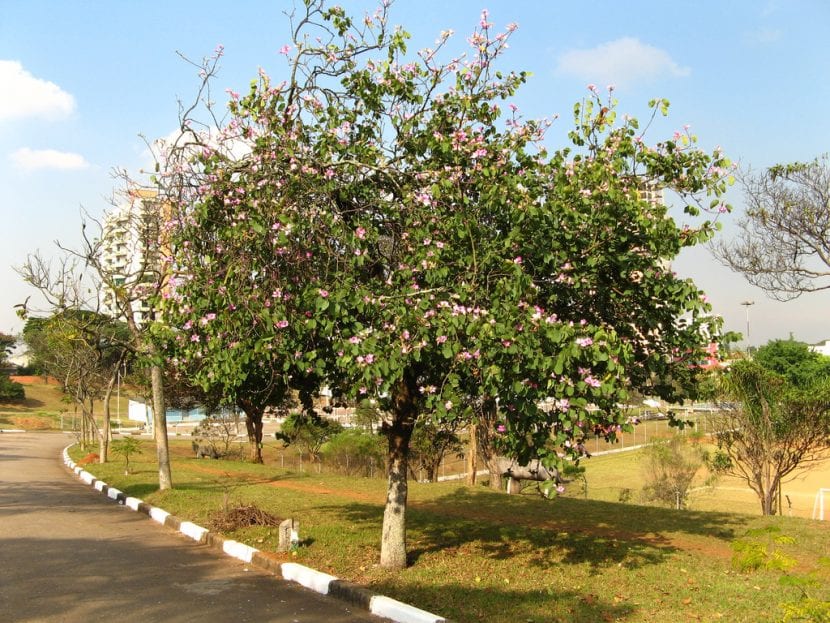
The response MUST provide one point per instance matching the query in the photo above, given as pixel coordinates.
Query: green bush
(10, 391)
(354, 453)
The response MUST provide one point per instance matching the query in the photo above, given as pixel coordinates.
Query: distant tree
(795, 361)
(84, 350)
(7, 344)
(307, 432)
(769, 428)
(784, 240)
(669, 469)
(431, 441)
(10, 391)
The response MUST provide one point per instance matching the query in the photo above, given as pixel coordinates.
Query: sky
(83, 85)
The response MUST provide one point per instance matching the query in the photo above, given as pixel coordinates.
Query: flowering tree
(380, 223)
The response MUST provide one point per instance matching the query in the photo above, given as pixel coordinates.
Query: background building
(129, 255)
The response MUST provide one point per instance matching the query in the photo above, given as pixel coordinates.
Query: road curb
(317, 581)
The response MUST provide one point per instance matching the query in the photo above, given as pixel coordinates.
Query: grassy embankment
(477, 555)
(46, 408)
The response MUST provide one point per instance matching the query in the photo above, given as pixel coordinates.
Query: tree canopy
(390, 225)
(795, 361)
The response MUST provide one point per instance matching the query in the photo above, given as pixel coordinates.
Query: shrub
(307, 432)
(10, 391)
(354, 453)
(669, 470)
(215, 435)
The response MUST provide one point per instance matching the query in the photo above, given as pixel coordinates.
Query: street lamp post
(747, 304)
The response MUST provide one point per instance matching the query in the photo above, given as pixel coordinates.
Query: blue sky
(80, 82)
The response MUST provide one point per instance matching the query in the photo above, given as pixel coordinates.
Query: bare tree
(116, 270)
(784, 242)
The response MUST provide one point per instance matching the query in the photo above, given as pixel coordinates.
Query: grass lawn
(478, 555)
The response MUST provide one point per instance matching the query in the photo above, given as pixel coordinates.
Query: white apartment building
(128, 254)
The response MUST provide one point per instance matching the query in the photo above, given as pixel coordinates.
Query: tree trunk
(253, 426)
(472, 455)
(393, 544)
(485, 432)
(106, 433)
(399, 433)
(160, 426)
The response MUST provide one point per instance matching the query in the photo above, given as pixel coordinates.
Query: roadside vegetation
(478, 555)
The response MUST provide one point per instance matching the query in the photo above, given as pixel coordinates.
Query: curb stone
(317, 581)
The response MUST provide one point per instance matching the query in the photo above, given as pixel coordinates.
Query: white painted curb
(99, 485)
(113, 493)
(401, 612)
(197, 533)
(132, 503)
(243, 552)
(310, 578)
(159, 515)
(86, 477)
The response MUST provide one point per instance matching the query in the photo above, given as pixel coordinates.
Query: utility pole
(747, 304)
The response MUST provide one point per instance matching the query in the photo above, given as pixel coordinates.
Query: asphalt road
(70, 555)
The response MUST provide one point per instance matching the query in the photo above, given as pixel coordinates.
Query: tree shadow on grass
(546, 533)
(487, 603)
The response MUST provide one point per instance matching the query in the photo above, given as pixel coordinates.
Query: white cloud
(620, 62)
(33, 159)
(22, 95)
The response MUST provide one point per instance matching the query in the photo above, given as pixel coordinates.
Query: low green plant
(808, 608)
(126, 447)
(761, 549)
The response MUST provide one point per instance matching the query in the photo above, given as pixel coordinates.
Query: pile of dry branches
(228, 520)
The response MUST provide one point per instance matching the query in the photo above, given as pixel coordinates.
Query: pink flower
(354, 340)
(323, 293)
(360, 233)
(591, 381)
(441, 339)
(501, 428)
(369, 358)
(517, 259)
(285, 49)
(282, 324)
(584, 341)
(448, 405)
